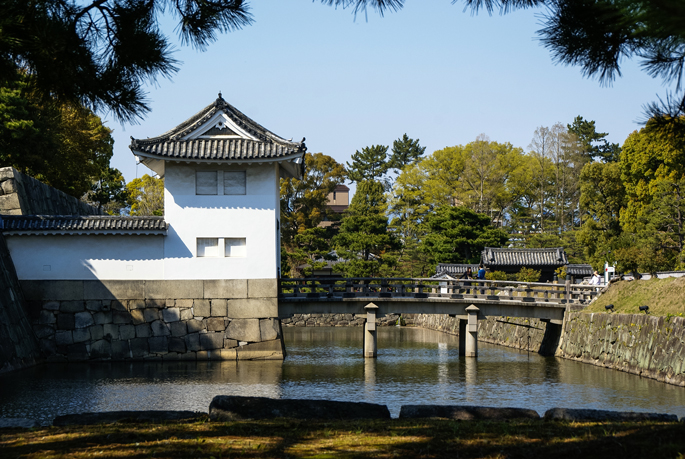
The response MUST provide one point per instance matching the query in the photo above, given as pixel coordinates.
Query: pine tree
(405, 151)
(371, 164)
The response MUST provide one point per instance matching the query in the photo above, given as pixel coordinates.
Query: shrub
(528, 275)
(496, 275)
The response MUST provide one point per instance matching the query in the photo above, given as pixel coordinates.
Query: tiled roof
(174, 145)
(524, 257)
(579, 270)
(66, 224)
(341, 188)
(338, 208)
(454, 269)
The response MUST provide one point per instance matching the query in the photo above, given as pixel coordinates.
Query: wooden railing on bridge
(381, 287)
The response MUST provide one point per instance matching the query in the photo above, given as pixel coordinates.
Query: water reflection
(414, 366)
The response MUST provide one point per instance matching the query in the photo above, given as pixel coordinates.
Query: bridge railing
(384, 287)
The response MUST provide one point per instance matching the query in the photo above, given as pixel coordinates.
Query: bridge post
(471, 335)
(370, 339)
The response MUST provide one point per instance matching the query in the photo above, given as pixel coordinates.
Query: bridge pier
(370, 338)
(470, 333)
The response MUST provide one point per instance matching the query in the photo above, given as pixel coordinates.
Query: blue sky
(431, 70)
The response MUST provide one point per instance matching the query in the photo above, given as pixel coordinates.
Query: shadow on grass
(351, 439)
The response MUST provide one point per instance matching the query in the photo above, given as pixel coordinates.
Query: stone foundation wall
(18, 345)
(24, 195)
(653, 347)
(519, 333)
(156, 320)
(336, 320)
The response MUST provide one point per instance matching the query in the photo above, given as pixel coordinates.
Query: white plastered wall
(83, 257)
(252, 216)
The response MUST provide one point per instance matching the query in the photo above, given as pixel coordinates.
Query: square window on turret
(207, 247)
(234, 182)
(205, 182)
(235, 247)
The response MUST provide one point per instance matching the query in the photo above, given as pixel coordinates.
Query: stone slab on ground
(466, 413)
(572, 414)
(110, 417)
(18, 423)
(233, 408)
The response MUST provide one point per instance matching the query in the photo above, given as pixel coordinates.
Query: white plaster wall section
(251, 216)
(84, 257)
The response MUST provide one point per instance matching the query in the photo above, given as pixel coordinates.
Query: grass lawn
(351, 439)
(663, 296)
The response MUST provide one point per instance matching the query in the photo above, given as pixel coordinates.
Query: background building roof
(530, 258)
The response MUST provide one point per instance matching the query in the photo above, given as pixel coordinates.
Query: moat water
(414, 366)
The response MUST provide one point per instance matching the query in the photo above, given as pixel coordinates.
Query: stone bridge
(468, 300)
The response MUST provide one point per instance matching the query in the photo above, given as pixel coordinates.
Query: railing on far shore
(384, 287)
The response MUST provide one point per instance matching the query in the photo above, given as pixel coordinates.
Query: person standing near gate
(481, 273)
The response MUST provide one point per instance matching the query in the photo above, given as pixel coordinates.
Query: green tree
(146, 196)
(63, 145)
(109, 193)
(370, 164)
(303, 207)
(364, 240)
(593, 143)
(459, 235)
(405, 152)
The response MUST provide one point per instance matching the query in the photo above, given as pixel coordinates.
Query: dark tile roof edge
(71, 224)
(192, 123)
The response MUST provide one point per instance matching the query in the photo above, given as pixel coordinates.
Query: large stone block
(171, 315)
(159, 303)
(101, 350)
(215, 324)
(136, 304)
(179, 329)
(151, 314)
(225, 288)
(139, 347)
(262, 288)
(202, 308)
(102, 318)
(253, 308)
(94, 305)
(83, 319)
(177, 345)
(48, 290)
(159, 328)
(210, 341)
(193, 341)
(143, 331)
(77, 352)
(9, 202)
(63, 337)
(163, 289)
(113, 289)
(121, 317)
(266, 350)
(195, 326)
(97, 332)
(65, 321)
(137, 316)
(46, 317)
(227, 354)
(234, 408)
(51, 305)
(111, 331)
(159, 345)
(186, 314)
(43, 331)
(81, 335)
(121, 350)
(218, 308)
(244, 330)
(269, 329)
(127, 332)
(72, 306)
(184, 303)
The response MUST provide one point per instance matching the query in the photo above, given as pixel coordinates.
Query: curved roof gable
(217, 133)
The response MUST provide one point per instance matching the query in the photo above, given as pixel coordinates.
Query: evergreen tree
(405, 151)
(364, 241)
(593, 143)
(146, 195)
(459, 235)
(370, 164)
